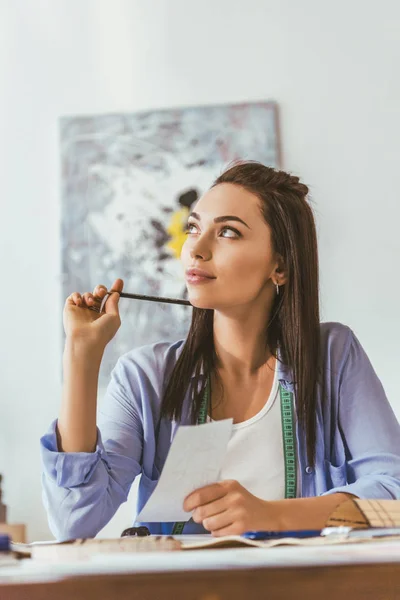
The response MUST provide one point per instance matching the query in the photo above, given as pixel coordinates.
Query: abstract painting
(128, 184)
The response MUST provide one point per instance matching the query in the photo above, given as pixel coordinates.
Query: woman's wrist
(275, 515)
(83, 350)
(302, 513)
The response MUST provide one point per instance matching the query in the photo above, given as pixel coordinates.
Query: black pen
(155, 298)
(100, 305)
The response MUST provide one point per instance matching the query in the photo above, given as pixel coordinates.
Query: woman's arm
(82, 490)
(227, 508)
(85, 480)
(76, 427)
(87, 335)
(305, 513)
(369, 429)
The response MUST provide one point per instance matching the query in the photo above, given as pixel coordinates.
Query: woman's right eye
(191, 228)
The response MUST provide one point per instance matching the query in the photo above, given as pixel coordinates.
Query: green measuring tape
(289, 443)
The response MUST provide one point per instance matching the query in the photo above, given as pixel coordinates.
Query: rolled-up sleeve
(82, 491)
(69, 469)
(369, 429)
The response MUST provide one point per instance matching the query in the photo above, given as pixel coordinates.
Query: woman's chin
(197, 301)
(203, 305)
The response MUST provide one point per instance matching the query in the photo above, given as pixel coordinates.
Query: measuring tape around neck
(288, 437)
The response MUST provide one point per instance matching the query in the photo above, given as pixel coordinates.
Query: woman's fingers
(89, 324)
(75, 299)
(95, 299)
(82, 300)
(117, 286)
(111, 306)
(89, 299)
(209, 510)
(99, 291)
(219, 522)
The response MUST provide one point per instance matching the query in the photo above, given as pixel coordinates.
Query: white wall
(333, 68)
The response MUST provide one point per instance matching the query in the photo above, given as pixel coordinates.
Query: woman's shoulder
(333, 332)
(151, 360)
(336, 342)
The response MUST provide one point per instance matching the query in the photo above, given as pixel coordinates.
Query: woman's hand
(227, 508)
(88, 326)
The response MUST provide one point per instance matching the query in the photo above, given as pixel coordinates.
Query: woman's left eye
(234, 233)
(230, 231)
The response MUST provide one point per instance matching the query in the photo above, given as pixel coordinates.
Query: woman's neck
(240, 342)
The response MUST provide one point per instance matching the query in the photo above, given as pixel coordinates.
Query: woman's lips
(196, 276)
(196, 279)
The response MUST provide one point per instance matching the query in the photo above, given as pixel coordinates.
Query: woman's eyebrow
(221, 219)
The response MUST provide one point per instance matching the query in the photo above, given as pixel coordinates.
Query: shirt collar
(285, 376)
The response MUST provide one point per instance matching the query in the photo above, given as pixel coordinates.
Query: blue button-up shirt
(357, 448)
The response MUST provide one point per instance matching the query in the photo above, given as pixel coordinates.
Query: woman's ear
(280, 274)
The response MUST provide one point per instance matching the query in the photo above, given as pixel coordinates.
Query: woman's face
(230, 242)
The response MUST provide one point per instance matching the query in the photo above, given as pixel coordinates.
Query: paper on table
(194, 460)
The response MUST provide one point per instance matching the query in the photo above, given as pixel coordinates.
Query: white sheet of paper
(194, 460)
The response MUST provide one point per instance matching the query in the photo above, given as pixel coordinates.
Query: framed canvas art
(128, 184)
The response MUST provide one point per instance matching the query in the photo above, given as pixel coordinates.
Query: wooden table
(279, 573)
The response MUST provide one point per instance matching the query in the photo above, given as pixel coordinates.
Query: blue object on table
(4, 543)
(276, 535)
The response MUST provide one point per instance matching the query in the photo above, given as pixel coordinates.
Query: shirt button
(309, 470)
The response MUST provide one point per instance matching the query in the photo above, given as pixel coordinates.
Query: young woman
(257, 348)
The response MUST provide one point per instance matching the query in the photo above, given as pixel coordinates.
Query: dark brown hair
(294, 323)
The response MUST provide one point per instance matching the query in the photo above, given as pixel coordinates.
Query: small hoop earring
(277, 289)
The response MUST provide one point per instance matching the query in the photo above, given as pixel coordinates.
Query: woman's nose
(200, 251)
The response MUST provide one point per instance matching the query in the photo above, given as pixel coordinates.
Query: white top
(255, 448)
